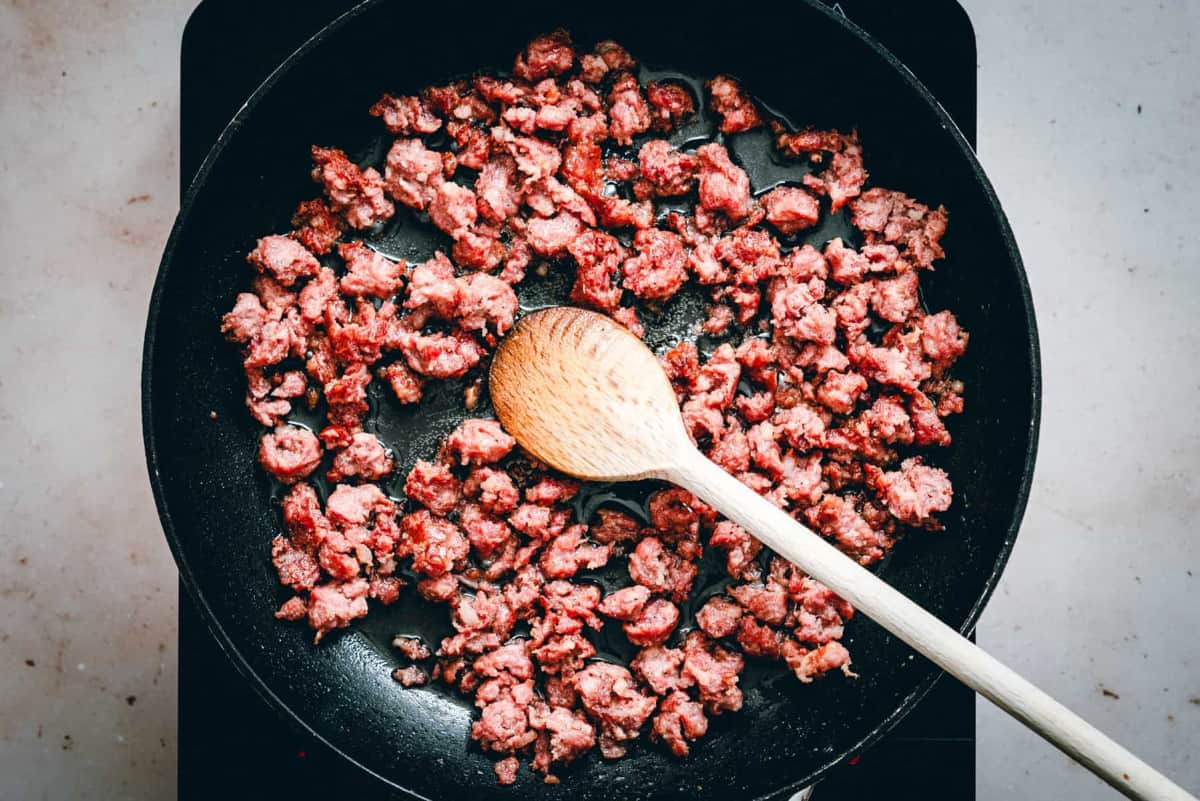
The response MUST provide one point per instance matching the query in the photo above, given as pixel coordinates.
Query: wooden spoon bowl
(583, 394)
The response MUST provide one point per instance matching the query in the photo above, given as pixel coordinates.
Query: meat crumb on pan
(828, 372)
(411, 676)
(412, 648)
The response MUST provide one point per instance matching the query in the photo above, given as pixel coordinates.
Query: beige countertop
(1089, 115)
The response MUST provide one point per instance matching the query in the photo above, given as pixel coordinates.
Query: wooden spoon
(587, 397)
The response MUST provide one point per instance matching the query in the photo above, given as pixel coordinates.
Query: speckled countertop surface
(1089, 125)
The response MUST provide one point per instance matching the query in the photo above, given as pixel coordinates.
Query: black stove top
(231, 744)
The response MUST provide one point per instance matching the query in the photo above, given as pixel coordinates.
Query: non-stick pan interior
(218, 506)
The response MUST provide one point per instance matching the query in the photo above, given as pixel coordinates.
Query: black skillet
(217, 507)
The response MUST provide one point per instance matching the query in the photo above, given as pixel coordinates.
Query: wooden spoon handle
(925, 633)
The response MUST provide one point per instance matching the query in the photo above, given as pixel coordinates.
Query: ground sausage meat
(736, 109)
(365, 457)
(654, 624)
(433, 486)
(791, 209)
(612, 699)
(679, 721)
(670, 103)
(289, 453)
(822, 374)
(625, 604)
(666, 171)
(719, 617)
(413, 648)
(284, 259)
(479, 442)
(724, 187)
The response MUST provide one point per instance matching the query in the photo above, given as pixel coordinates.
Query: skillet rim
(188, 579)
